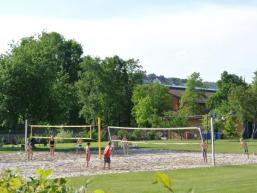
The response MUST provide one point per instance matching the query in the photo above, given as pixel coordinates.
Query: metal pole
(212, 143)
(99, 137)
(26, 134)
(110, 137)
(200, 134)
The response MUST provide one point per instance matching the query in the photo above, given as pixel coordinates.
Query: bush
(137, 135)
(11, 182)
(65, 134)
(20, 140)
(154, 135)
(122, 133)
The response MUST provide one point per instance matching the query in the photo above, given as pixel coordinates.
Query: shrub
(122, 133)
(11, 182)
(65, 134)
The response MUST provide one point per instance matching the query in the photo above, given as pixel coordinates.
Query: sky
(173, 38)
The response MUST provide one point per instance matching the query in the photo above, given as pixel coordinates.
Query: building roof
(179, 91)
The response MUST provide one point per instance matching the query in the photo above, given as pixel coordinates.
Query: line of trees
(46, 79)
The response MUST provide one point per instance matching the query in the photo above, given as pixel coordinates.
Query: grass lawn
(60, 147)
(221, 146)
(228, 179)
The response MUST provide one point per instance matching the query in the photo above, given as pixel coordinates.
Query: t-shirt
(107, 151)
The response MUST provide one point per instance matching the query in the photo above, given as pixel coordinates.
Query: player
(243, 145)
(204, 147)
(29, 150)
(79, 145)
(107, 155)
(125, 145)
(87, 153)
(52, 146)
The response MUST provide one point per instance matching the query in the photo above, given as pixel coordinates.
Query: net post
(31, 131)
(200, 131)
(108, 128)
(99, 137)
(90, 132)
(212, 143)
(26, 134)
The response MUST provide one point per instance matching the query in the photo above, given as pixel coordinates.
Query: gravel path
(71, 164)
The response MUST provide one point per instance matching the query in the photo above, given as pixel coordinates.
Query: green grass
(221, 146)
(60, 147)
(229, 179)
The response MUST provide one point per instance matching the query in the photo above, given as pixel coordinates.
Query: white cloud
(209, 39)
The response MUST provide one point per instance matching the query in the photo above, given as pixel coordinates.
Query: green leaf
(15, 183)
(89, 180)
(43, 173)
(190, 190)
(164, 179)
(39, 172)
(3, 190)
(99, 191)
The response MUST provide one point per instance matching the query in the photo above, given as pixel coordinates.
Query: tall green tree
(150, 101)
(191, 102)
(105, 88)
(243, 101)
(35, 84)
(219, 101)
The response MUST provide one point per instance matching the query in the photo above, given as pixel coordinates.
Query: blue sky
(172, 38)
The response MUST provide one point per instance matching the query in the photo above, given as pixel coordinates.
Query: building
(178, 91)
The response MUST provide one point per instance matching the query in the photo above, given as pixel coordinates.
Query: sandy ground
(72, 164)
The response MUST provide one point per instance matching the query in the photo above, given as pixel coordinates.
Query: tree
(219, 101)
(150, 102)
(35, 84)
(105, 88)
(243, 100)
(190, 101)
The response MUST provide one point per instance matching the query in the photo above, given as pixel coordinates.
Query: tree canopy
(150, 101)
(35, 80)
(105, 88)
(191, 102)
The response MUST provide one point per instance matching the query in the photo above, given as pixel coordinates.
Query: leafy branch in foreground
(165, 180)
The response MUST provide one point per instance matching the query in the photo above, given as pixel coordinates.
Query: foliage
(230, 128)
(190, 103)
(105, 88)
(164, 180)
(174, 119)
(150, 102)
(122, 133)
(11, 182)
(227, 83)
(64, 134)
(243, 101)
(36, 81)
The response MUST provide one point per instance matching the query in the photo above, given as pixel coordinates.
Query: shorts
(125, 146)
(107, 160)
(204, 153)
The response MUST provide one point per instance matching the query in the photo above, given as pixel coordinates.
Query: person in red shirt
(107, 155)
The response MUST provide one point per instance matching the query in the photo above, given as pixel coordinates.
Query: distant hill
(150, 78)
